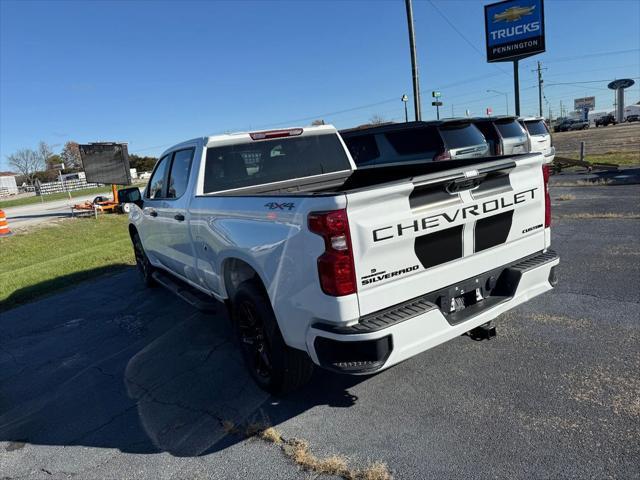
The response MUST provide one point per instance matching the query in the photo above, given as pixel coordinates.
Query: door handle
(153, 213)
(179, 217)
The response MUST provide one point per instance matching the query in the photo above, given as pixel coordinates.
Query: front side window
(179, 174)
(156, 183)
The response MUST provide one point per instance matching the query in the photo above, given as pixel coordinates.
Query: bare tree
(71, 155)
(377, 120)
(44, 152)
(27, 162)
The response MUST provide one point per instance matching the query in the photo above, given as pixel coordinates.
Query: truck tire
(142, 261)
(276, 367)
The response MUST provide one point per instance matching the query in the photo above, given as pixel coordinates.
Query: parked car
(540, 140)
(570, 124)
(504, 134)
(633, 118)
(579, 125)
(415, 142)
(354, 270)
(605, 120)
(563, 125)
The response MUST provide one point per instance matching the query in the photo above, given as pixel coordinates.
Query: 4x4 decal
(280, 206)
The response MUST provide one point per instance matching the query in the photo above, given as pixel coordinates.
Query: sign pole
(414, 62)
(516, 86)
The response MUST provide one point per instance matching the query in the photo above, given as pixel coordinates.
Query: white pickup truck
(321, 263)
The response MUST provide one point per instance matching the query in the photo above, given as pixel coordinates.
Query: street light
(405, 99)
(506, 97)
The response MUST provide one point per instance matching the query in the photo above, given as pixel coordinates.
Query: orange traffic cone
(4, 226)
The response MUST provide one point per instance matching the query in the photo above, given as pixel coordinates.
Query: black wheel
(142, 262)
(276, 367)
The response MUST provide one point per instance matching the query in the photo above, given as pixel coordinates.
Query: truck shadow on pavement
(110, 364)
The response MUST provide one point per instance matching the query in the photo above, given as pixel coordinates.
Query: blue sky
(156, 73)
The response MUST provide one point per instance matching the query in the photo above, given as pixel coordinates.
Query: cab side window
(179, 174)
(156, 188)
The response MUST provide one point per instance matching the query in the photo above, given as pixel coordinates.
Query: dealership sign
(587, 102)
(514, 29)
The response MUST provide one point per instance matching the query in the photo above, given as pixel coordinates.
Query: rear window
(536, 127)
(488, 130)
(267, 161)
(424, 141)
(509, 129)
(363, 148)
(458, 136)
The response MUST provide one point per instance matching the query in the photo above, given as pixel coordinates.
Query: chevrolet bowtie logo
(513, 14)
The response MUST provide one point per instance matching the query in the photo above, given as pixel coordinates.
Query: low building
(8, 184)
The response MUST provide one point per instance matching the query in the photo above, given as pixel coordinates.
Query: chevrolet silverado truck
(321, 263)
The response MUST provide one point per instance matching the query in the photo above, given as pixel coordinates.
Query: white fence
(65, 186)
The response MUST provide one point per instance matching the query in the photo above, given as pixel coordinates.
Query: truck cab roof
(246, 136)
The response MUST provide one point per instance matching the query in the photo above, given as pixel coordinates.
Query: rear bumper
(390, 336)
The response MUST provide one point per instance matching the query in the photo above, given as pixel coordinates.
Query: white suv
(540, 140)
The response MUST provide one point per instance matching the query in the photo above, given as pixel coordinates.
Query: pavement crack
(149, 394)
(101, 426)
(110, 375)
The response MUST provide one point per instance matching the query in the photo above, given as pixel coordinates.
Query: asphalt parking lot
(109, 380)
(28, 215)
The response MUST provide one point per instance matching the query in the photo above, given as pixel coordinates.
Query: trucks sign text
(514, 29)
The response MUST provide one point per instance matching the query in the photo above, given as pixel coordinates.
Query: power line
(588, 81)
(469, 80)
(588, 55)
(592, 55)
(455, 29)
(636, 65)
(267, 125)
(328, 114)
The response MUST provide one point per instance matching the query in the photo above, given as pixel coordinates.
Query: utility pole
(540, 81)
(561, 110)
(414, 62)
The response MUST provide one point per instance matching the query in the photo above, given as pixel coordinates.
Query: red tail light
(335, 266)
(446, 155)
(546, 173)
(498, 149)
(266, 135)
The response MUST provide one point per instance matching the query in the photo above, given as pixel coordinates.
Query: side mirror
(130, 195)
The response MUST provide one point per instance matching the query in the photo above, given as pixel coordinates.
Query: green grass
(618, 158)
(54, 196)
(48, 259)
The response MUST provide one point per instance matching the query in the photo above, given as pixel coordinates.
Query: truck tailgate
(417, 236)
